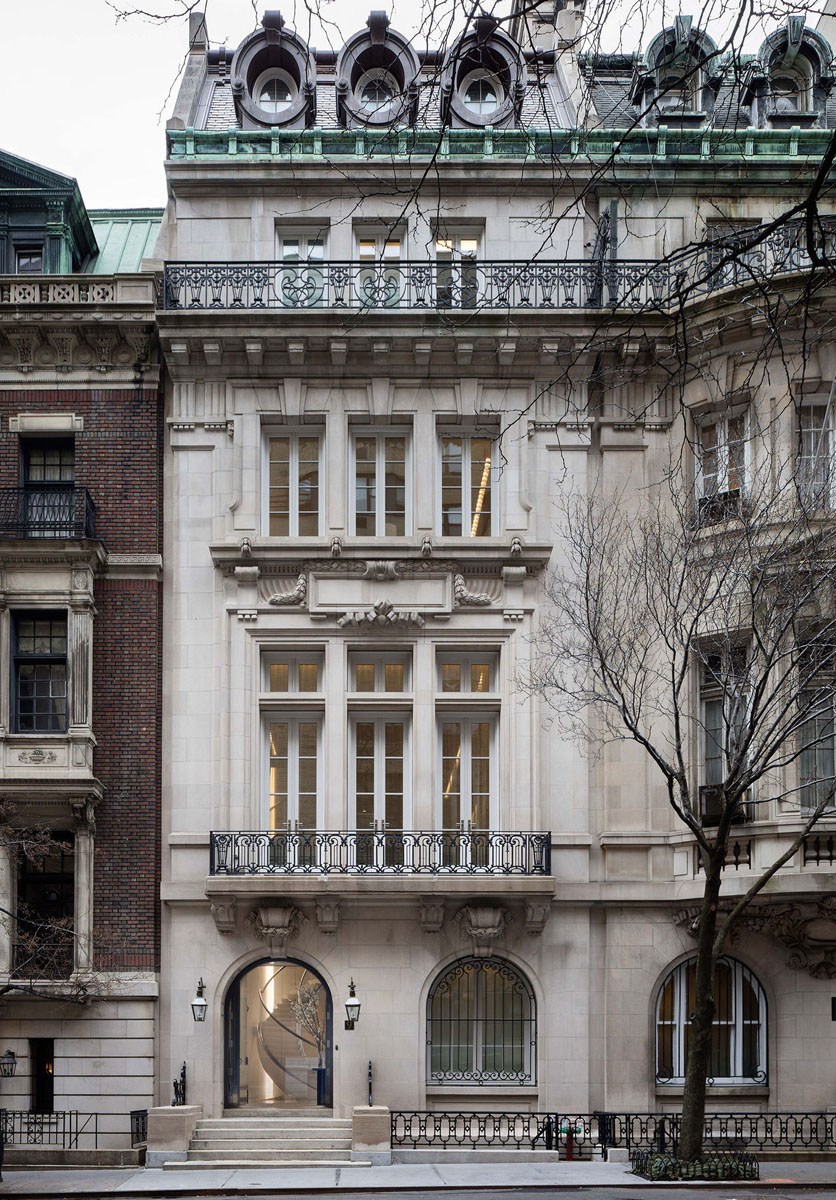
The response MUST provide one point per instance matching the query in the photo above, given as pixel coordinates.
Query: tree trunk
(702, 1018)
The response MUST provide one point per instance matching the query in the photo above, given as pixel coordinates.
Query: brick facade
(117, 458)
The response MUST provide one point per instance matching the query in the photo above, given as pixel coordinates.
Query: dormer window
(484, 78)
(376, 91)
(483, 93)
(275, 91)
(677, 90)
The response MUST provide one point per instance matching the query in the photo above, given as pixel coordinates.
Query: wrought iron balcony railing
(47, 511)
(387, 852)
(36, 959)
(633, 284)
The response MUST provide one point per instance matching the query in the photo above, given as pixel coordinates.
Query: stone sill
(732, 1091)
(454, 1094)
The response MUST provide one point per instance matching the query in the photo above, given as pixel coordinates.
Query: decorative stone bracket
(483, 924)
(808, 930)
(328, 915)
(537, 912)
(431, 915)
(277, 924)
(224, 912)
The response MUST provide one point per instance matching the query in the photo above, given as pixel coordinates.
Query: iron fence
(633, 284)
(36, 511)
(70, 1130)
(578, 1135)
(386, 852)
(139, 1126)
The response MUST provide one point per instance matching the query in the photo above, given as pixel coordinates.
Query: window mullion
(380, 485)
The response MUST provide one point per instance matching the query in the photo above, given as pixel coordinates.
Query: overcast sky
(88, 95)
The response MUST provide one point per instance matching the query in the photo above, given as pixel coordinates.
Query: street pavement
(425, 1181)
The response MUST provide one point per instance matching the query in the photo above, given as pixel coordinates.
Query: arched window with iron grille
(481, 1025)
(738, 1044)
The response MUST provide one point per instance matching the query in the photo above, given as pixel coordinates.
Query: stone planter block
(371, 1135)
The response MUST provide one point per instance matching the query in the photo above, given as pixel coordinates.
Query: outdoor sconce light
(8, 1063)
(199, 1004)
(352, 1007)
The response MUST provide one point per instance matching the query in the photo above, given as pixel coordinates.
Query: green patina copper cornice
(652, 145)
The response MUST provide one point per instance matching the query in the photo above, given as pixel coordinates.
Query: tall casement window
(467, 770)
(481, 1025)
(44, 939)
(738, 1046)
(293, 501)
(817, 762)
(380, 783)
(39, 658)
(815, 472)
(722, 448)
(379, 281)
(466, 486)
(48, 478)
(723, 704)
(381, 485)
(457, 277)
(294, 773)
(300, 281)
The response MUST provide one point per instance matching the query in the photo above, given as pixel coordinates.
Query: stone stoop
(267, 1139)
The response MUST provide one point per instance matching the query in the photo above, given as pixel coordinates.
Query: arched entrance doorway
(278, 1040)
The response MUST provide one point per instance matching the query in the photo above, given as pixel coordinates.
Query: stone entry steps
(296, 1138)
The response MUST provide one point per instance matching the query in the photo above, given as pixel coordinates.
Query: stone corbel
(277, 924)
(483, 924)
(328, 915)
(224, 912)
(83, 809)
(431, 915)
(537, 912)
(25, 341)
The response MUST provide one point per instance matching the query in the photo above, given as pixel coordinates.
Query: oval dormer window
(376, 91)
(482, 93)
(274, 91)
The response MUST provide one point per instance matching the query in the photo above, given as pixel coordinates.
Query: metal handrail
(379, 852)
(49, 510)
(486, 284)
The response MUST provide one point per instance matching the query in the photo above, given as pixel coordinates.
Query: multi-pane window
(381, 485)
(481, 1025)
(467, 773)
(369, 672)
(300, 279)
(44, 939)
(457, 278)
(29, 260)
(466, 486)
(294, 773)
(722, 463)
(815, 459)
(294, 485)
(300, 672)
(467, 673)
(40, 672)
(48, 477)
(379, 772)
(379, 281)
(817, 761)
(738, 1045)
(724, 705)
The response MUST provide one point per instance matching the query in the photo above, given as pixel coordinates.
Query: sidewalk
(429, 1177)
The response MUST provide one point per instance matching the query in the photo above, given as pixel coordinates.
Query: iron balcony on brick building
(58, 511)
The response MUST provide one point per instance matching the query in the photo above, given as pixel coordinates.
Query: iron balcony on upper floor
(490, 284)
(47, 511)
(379, 852)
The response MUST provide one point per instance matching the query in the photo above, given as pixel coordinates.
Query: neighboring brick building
(80, 624)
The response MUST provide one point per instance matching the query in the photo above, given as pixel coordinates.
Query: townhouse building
(80, 645)
(410, 300)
